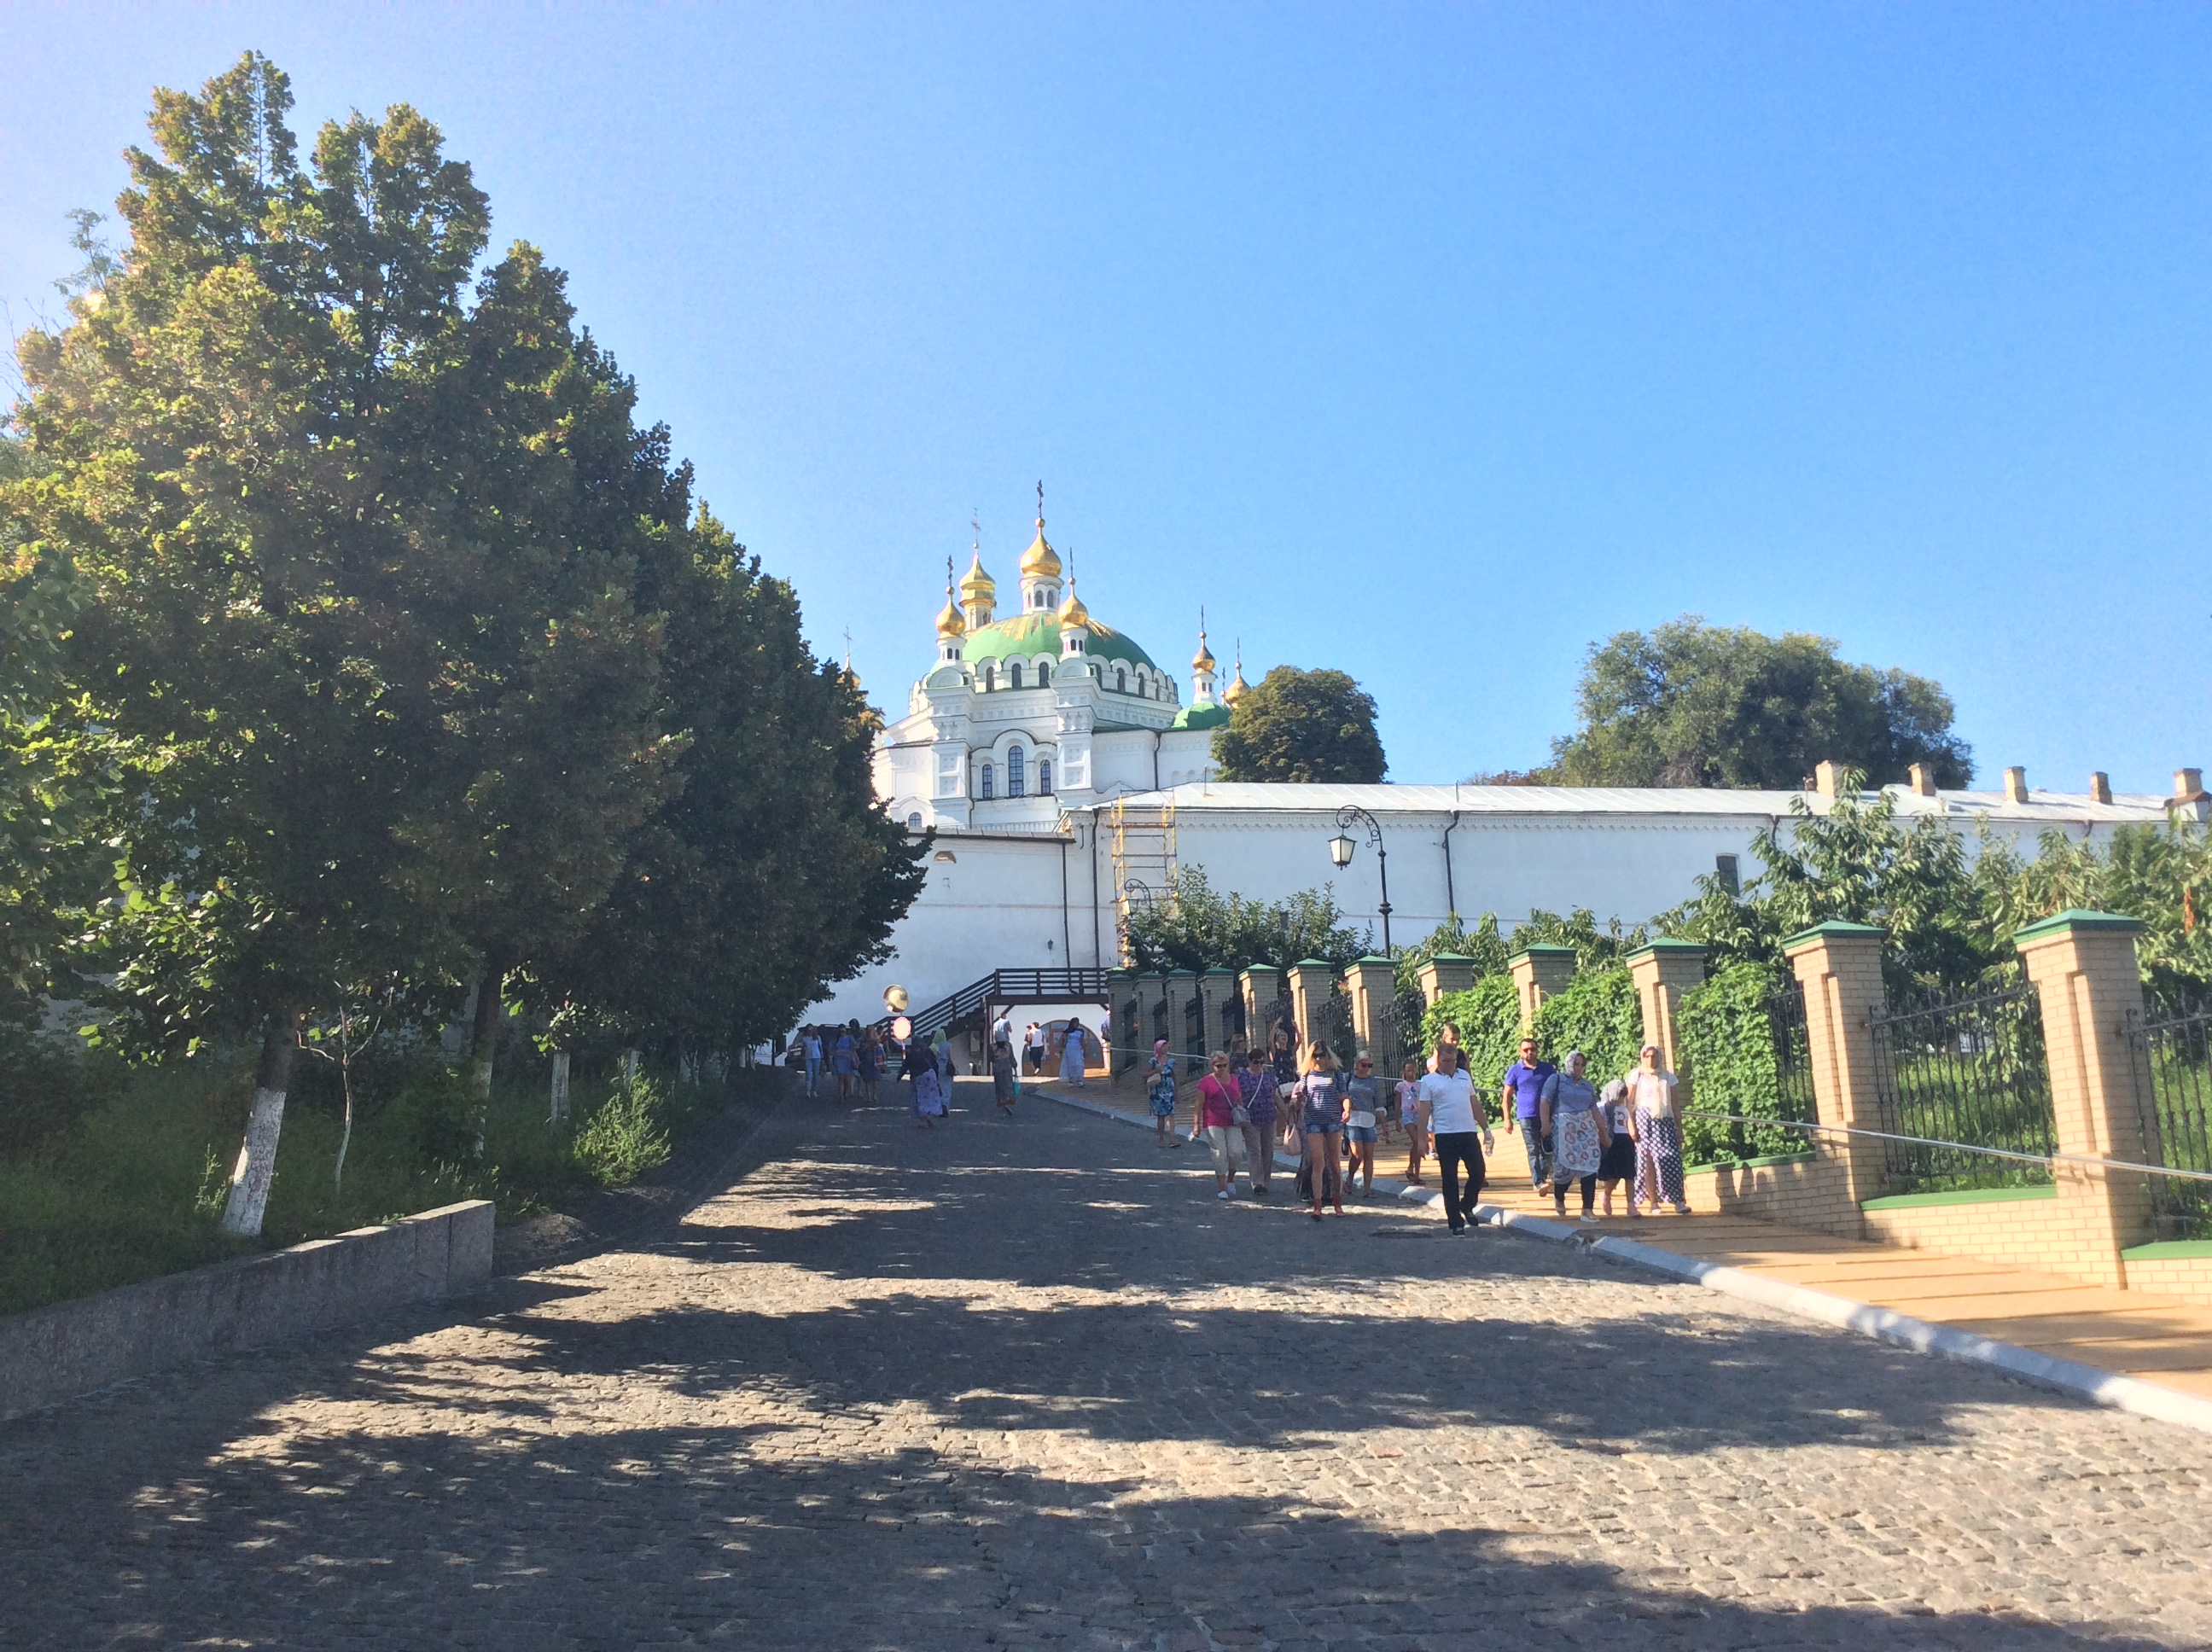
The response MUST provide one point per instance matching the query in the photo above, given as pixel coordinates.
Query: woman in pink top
(1218, 1099)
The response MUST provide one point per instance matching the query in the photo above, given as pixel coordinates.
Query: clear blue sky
(1429, 343)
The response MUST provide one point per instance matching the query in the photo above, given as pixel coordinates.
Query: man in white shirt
(1033, 1052)
(1002, 1029)
(1448, 1118)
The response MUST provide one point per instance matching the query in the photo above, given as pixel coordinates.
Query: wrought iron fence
(1793, 1055)
(2171, 1051)
(1968, 1071)
(1334, 1028)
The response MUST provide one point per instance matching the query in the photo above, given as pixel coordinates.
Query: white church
(1067, 780)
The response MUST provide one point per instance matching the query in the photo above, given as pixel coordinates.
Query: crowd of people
(1576, 1136)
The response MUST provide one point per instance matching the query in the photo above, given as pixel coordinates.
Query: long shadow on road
(1003, 1384)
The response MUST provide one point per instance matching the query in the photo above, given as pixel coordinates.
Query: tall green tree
(1690, 704)
(1295, 725)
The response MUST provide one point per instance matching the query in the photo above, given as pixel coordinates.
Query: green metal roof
(1038, 633)
(1205, 716)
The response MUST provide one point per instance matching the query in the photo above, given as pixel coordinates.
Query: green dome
(1028, 634)
(1209, 716)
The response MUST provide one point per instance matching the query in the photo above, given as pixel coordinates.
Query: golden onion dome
(1203, 660)
(1073, 612)
(1039, 561)
(949, 623)
(1235, 691)
(976, 584)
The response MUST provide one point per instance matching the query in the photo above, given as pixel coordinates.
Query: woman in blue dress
(1073, 1054)
(1160, 1087)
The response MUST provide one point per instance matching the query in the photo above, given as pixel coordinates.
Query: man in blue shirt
(1523, 1098)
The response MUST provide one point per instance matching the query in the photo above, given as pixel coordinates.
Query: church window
(914, 821)
(1044, 777)
(990, 679)
(1140, 685)
(1016, 779)
(1121, 681)
(984, 789)
(1044, 674)
(1014, 675)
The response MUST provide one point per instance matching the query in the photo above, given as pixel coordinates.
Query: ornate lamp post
(1341, 849)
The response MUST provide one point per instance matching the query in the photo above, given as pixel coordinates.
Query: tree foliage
(1690, 704)
(1203, 929)
(1295, 725)
(1725, 1034)
(1597, 1013)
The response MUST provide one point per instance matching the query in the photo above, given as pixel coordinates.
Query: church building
(1042, 710)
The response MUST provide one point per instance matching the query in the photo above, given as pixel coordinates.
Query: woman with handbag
(1256, 1085)
(1218, 1104)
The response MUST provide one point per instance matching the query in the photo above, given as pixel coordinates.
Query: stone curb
(2103, 1387)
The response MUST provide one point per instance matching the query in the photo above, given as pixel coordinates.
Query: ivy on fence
(1488, 1016)
(1597, 1013)
(1725, 1034)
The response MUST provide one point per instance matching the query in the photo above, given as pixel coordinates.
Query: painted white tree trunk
(257, 1165)
(629, 1067)
(560, 1086)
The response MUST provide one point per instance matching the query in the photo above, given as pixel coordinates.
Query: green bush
(1597, 1013)
(1488, 1016)
(627, 1134)
(1726, 1036)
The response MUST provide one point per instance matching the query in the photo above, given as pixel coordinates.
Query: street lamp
(1341, 849)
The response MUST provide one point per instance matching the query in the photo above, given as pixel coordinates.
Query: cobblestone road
(1028, 1384)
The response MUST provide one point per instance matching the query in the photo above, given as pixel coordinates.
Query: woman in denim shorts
(1322, 1092)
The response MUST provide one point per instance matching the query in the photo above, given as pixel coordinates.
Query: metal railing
(1953, 1076)
(1061, 985)
(2043, 1160)
(2171, 1049)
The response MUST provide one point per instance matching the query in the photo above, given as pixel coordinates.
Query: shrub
(1726, 1035)
(1598, 1014)
(627, 1134)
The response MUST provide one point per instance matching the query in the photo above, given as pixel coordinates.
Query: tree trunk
(560, 1086)
(256, 1156)
(484, 1042)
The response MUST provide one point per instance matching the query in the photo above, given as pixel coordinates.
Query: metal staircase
(1064, 986)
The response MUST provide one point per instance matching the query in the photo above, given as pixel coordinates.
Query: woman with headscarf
(1569, 1117)
(1651, 1096)
(1160, 1090)
(1073, 1053)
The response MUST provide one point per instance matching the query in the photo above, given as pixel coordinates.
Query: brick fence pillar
(1447, 972)
(1218, 988)
(1312, 982)
(1262, 985)
(1540, 970)
(1374, 984)
(1839, 965)
(1663, 972)
(2083, 965)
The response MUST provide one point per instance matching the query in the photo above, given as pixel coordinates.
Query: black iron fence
(1971, 1071)
(2171, 1051)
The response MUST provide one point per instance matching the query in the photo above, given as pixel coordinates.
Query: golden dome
(1039, 561)
(977, 585)
(1071, 612)
(949, 622)
(1203, 660)
(1235, 691)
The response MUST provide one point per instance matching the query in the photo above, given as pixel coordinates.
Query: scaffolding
(1144, 861)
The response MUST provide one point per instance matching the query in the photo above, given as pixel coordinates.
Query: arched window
(1141, 686)
(914, 821)
(990, 679)
(1121, 681)
(1044, 777)
(1044, 674)
(1015, 778)
(1014, 675)
(984, 789)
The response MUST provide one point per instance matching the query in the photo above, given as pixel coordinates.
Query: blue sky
(1431, 343)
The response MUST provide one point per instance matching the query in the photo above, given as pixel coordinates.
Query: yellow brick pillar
(1374, 986)
(1839, 966)
(1663, 972)
(2083, 965)
(1262, 985)
(1313, 981)
(1218, 987)
(1540, 970)
(1447, 972)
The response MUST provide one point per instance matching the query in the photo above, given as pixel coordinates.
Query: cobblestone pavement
(1028, 1384)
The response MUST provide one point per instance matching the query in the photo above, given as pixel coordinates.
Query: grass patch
(110, 1174)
